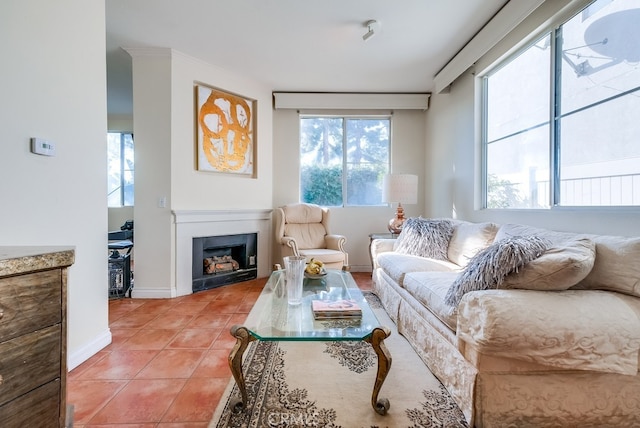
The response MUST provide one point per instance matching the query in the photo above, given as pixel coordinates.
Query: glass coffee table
(273, 319)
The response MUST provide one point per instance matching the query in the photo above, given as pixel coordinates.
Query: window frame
(554, 29)
(345, 163)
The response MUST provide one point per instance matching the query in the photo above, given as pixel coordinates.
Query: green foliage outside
(503, 194)
(364, 184)
(321, 185)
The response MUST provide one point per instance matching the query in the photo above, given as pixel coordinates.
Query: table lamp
(403, 189)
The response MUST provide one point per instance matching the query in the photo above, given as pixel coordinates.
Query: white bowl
(322, 274)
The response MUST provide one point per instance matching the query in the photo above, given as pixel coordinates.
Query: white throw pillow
(559, 268)
(468, 239)
(616, 267)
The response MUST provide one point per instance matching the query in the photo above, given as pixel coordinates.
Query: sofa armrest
(291, 243)
(381, 245)
(335, 242)
(572, 329)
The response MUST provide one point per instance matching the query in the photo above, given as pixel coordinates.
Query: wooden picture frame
(225, 132)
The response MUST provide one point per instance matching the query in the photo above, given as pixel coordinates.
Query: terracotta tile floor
(167, 365)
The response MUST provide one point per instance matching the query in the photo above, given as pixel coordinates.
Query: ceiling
(297, 45)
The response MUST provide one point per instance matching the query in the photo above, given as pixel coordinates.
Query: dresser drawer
(40, 407)
(29, 361)
(29, 302)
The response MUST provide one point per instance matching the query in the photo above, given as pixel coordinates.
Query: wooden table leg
(243, 338)
(376, 339)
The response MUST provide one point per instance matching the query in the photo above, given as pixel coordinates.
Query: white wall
(117, 217)
(356, 223)
(196, 190)
(53, 86)
(152, 127)
(165, 150)
(120, 123)
(453, 168)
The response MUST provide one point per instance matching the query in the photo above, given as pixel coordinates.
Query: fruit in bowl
(315, 268)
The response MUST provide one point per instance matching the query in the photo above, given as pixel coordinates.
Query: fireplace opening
(221, 260)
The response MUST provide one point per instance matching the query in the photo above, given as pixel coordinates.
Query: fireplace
(226, 259)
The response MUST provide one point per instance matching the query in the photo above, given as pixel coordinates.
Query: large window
(343, 159)
(120, 168)
(560, 124)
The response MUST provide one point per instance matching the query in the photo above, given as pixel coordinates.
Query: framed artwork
(225, 128)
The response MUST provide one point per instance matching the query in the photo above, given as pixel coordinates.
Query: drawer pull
(1, 380)
(1, 313)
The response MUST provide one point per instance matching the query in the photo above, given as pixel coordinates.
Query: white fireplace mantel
(189, 224)
(205, 216)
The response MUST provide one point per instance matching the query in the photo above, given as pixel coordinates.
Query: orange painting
(225, 132)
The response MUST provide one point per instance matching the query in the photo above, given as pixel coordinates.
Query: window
(343, 159)
(120, 169)
(560, 121)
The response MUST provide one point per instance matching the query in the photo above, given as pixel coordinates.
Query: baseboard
(152, 293)
(360, 268)
(89, 350)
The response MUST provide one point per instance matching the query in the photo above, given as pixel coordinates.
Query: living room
(54, 87)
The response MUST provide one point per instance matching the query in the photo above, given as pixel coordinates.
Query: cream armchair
(303, 230)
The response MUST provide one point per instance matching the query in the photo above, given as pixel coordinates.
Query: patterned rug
(329, 384)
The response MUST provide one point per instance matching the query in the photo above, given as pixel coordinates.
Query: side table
(382, 235)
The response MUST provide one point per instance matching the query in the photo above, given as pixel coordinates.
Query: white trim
(204, 216)
(153, 293)
(507, 18)
(88, 350)
(149, 51)
(360, 268)
(350, 101)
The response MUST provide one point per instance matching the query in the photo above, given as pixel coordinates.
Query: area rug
(329, 384)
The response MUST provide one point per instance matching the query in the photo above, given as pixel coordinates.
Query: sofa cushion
(425, 237)
(572, 329)
(325, 255)
(430, 289)
(616, 266)
(469, 238)
(308, 235)
(397, 265)
(302, 213)
(304, 222)
(489, 267)
(554, 237)
(562, 266)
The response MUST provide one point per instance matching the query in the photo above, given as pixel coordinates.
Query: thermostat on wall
(43, 147)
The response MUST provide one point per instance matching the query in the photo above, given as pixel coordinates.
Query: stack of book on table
(329, 309)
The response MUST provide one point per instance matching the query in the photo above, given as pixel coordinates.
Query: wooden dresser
(33, 336)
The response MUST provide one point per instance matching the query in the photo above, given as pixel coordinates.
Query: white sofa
(557, 344)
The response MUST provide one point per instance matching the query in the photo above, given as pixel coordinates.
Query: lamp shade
(400, 188)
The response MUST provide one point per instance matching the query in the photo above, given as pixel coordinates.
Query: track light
(371, 24)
